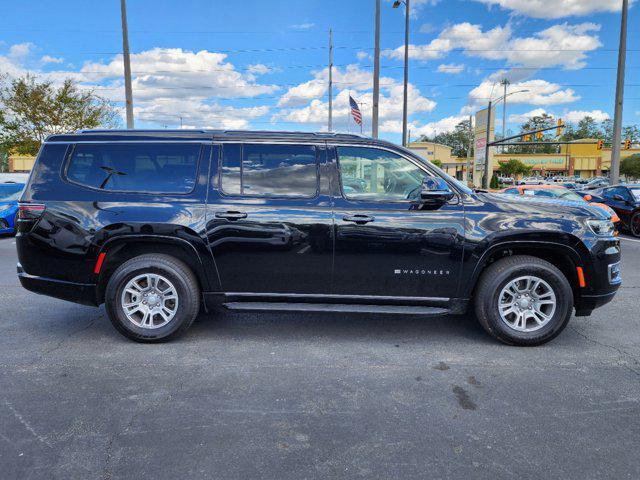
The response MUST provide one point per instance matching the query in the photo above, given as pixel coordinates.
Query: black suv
(161, 224)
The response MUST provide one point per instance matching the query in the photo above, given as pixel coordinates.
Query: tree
(494, 184)
(538, 122)
(437, 163)
(33, 109)
(630, 166)
(514, 167)
(458, 139)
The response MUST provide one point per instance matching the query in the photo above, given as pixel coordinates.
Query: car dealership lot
(301, 395)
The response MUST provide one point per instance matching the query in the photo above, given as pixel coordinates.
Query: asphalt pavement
(301, 396)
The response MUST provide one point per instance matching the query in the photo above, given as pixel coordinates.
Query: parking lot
(293, 396)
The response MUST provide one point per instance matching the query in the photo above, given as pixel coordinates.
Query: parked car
(531, 181)
(9, 195)
(159, 224)
(560, 193)
(14, 177)
(624, 200)
(505, 180)
(596, 183)
(569, 185)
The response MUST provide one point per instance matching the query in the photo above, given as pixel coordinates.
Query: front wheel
(523, 300)
(152, 298)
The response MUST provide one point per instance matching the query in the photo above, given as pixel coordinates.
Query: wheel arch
(119, 249)
(563, 256)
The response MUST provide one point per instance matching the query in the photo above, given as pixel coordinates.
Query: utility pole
(617, 118)
(506, 83)
(406, 73)
(485, 180)
(376, 75)
(469, 149)
(330, 126)
(127, 65)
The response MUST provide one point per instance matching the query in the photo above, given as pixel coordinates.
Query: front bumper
(603, 278)
(82, 293)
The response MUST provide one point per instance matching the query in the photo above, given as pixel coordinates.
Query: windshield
(636, 193)
(10, 192)
(560, 193)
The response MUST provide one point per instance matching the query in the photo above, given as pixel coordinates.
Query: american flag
(355, 110)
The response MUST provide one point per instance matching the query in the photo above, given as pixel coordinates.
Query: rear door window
(139, 167)
(269, 170)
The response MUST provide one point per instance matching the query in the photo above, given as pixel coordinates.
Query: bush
(494, 184)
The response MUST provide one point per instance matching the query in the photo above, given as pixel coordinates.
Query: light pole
(505, 82)
(376, 75)
(485, 180)
(396, 4)
(614, 172)
(127, 65)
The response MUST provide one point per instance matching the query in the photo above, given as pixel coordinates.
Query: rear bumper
(82, 293)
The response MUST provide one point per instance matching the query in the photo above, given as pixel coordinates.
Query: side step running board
(336, 307)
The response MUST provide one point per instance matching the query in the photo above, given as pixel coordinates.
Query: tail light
(30, 211)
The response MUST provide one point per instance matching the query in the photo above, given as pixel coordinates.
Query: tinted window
(611, 192)
(379, 175)
(144, 167)
(269, 170)
(512, 191)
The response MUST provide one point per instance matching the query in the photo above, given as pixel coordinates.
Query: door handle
(358, 218)
(231, 215)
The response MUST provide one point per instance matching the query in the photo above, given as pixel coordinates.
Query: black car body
(292, 221)
(625, 200)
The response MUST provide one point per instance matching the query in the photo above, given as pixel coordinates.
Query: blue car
(9, 195)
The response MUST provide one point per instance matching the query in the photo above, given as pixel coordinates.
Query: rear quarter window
(140, 167)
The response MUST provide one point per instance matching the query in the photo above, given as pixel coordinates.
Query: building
(580, 158)
(435, 151)
(21, 163)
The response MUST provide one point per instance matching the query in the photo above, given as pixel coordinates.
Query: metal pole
(485, 180)
(127, 65)
(614, 173)
(505, 82)
(330, 125)
(406, 74)
(376, 75)
(469, 148)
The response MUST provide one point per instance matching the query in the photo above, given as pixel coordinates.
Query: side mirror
(435, 191)
(588, 197)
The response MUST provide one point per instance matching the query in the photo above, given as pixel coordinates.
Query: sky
(258, 64)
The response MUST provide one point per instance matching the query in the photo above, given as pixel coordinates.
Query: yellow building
(21, 163)
(435, 151)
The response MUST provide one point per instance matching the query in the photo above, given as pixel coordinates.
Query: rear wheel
(152, 298)
(523, 300)
(634, 225)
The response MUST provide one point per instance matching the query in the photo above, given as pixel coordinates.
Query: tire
(634, 224)
(170, 276)
(519, 327)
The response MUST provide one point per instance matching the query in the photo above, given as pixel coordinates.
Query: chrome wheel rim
(527, 303)
(149, 301)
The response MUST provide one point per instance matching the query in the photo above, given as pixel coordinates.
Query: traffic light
(526, 138)
(560, 127)
(627, 144)
(600, 144)
(539, 135)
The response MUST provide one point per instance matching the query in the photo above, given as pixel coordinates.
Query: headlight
(602, 228)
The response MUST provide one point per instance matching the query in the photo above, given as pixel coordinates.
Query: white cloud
(540, 92)
(524, 117)
(574, 116)
(564, 45)
(303, 26)
(306, 103)
(363, 55)
(429, 129)
(20, 50)
(452, 68)
(550, 9)
(259, 69)
(50, 59)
